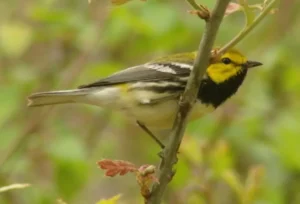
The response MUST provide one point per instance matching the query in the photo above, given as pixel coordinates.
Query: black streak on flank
(168, 88)
(216, 94)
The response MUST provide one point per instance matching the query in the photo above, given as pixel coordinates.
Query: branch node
(202, 12)
(161, 154)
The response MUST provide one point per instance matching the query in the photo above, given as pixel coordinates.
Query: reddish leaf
(231, 8)
(145, 174)
(115, 167)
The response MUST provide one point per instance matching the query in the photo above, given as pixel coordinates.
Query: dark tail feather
(55, 97)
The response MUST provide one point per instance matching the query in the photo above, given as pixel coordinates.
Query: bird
(149, 93)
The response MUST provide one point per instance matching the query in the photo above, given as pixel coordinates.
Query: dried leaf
(232, 8)
(115, 167)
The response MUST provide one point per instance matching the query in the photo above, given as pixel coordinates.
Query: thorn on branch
(161, 154)
(173, 174)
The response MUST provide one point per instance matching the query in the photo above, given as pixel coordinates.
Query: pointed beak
(250, 64)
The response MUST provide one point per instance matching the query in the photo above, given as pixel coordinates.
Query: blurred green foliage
(246, 152)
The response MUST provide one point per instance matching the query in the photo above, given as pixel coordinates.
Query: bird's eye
(226, 60)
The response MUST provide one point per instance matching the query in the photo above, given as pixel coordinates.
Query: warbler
(149, 93)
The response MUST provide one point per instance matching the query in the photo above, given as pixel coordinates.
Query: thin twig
(200, 10)
(248, 28)
(247, 11)
(194, 4)
(187, 101)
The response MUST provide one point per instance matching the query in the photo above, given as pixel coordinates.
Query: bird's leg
(150, 134)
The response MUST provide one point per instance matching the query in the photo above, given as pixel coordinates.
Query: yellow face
(229, 65)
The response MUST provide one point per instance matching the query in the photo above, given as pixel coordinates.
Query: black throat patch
(211, 93)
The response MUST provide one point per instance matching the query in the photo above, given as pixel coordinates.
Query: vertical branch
(169, 156)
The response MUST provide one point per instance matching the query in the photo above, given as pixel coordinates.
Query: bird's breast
(162, 115)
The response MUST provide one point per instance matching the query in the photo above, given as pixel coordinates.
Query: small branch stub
(202, 12)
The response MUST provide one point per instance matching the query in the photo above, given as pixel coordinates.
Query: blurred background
(248, 151)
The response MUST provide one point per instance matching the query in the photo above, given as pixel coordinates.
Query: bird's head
(229, 65)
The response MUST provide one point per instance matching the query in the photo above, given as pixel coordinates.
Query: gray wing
(146, 72)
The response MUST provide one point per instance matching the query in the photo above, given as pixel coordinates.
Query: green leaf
(286, 129)
(70, 177)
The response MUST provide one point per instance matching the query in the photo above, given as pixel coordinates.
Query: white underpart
(145, 97)
(105, 97)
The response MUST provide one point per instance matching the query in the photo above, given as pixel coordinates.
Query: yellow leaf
(14, 186)
(232, 179)
(191, 149)
(220, 157)
(253, 183)
(120, 2)
(60, 201)
(15, 38)
(112, 200)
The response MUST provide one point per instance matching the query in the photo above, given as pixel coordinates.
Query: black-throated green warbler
(149, 93)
